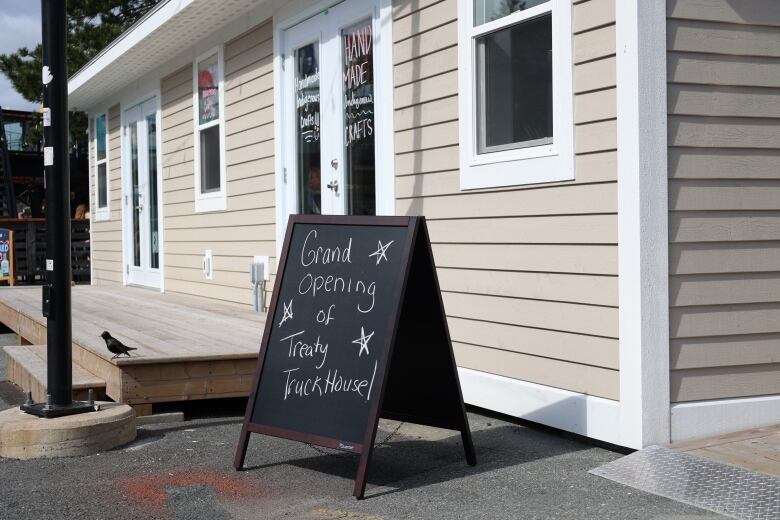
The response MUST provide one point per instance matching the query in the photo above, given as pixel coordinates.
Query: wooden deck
(757, 449)
(188, 348)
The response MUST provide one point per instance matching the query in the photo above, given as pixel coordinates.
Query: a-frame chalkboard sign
(356, 331)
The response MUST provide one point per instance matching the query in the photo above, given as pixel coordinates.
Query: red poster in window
(208, 90)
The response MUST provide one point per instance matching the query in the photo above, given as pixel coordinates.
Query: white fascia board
(586, 415)
(130, 38)
(700, 419)
(643, 259)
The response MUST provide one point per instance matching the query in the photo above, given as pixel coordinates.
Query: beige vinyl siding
(247, 227)
(724, 198)
(529, 273)
(106, 245)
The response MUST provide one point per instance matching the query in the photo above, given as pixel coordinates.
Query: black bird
(115, 346)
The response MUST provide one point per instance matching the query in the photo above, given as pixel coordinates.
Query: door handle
(334, 185)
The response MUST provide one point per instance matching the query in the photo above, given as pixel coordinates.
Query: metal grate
(703, 483)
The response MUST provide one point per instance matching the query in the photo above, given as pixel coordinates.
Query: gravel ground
(184, 471)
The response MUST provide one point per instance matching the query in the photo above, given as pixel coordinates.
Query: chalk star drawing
(363, 341)
(381, 251)
(288, 313)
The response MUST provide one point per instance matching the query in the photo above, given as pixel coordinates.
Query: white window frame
(103, 213)
(215, 200)
(532, 164)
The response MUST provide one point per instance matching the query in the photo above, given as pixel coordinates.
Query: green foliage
(508, 7)
(92, 25)
(23, 69)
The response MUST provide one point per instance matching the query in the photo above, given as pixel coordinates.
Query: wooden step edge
(26, 367)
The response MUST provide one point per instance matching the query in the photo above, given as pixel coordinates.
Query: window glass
(489, 10)
(208, 89)
(307, 103)
(151, 125)
(100, 133)
(136, 195)
(514, 86)
(359, 153)
(14, 135)
(102, 191)
(209, 159)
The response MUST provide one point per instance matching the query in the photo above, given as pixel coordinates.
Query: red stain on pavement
(149, 491)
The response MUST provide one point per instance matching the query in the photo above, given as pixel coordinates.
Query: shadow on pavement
(406, 464)
(10, 395)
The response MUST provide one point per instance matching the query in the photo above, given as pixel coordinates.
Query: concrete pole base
(25, 436)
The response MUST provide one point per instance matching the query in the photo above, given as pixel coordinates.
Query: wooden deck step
(27, 369)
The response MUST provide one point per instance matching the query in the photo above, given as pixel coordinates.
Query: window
(516, 102)
(101, 168)
(208, 102)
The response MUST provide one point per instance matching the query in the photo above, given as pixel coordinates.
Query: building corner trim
(642, 223)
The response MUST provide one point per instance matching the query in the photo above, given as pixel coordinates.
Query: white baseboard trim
(593, 417)
(699, 419)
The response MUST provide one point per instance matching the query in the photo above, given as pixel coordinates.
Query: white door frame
(286, 18)
(142, 276)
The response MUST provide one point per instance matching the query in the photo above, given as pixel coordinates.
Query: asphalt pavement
(184, 471)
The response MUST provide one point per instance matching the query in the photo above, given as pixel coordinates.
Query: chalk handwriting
(358, 130)
(363, 342)
(310, 375)
(288, 313)
(357, 44)
(381, 251)
(299, 349)
(332, 383)
(324, 255)
(314, 284)
(326, 317)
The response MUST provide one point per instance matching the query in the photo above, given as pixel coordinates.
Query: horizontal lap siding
(528, 274)
(247, 227)
(724, 198)
(106, 248)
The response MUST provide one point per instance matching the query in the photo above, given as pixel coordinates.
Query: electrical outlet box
(208, 265)
(260, 264)
(259, 273)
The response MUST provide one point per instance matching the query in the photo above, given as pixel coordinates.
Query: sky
(20, 26)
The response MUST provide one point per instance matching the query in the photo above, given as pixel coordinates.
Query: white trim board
(643, 258)
(593, 417)
(699, 419)
(215, 200)
(551, 162)
(100, 214)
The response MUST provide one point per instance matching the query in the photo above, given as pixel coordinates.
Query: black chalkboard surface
(355, 331)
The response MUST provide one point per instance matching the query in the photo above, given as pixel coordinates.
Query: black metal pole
(56, 168)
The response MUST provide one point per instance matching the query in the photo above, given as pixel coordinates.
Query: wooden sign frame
(417, 254)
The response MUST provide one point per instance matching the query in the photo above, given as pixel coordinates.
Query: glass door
(328, 86)
(141, 200)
